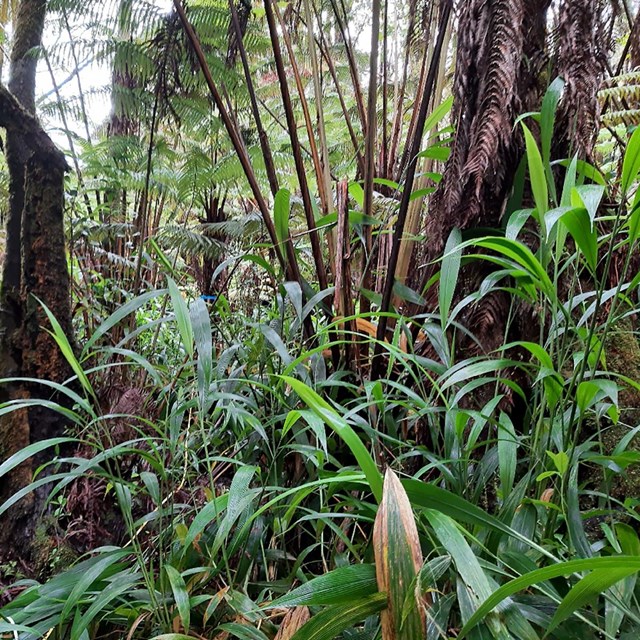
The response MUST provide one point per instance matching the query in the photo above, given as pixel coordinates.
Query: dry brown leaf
(292, 622)
(398, 559)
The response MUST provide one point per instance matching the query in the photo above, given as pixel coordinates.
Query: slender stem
(347, 118)
(408, 184)
(385, 141)
(295, 144)
(236, 141)
(262, 136)
(370, 151)
(353, 67)
(315, 156)
(65, 124)
(76, 63)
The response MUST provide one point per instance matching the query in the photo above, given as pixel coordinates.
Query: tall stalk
(289, 265)
(353, 67)
(414, 214)
(408, 184)
(326, 54)
(295, 144)
(370, 154)
(255, 111)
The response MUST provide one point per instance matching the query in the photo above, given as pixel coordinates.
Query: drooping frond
(621, 97)
(581, 54)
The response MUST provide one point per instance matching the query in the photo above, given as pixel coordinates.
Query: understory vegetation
(348, 347)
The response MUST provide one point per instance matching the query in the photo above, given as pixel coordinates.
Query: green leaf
(438, 114)
(575, 525)
(547, 121)
(631, 162)
(240, 497)
(589, 197)
(507, 453)
(94, 569)
(548, 573)
(587, 589)
(398, 558)
(31, 450)
(560, 460)
(520, 254)
(429, 496)
(436, 152)
(633, 220)
(449, 274)
(119, 315)
(357, 193)
(536, 172)
(336, 422)
(585, 169)
(466, 370)
(458, 548)
(116, 588)
(174, 636)
(517, 220)
(67, 351)
(336, 587)
(330, 622)
(392, 184)
(242, 631)
(407, 293)
(281, 210)
(183, 320)
(547, 116)
(579, 224)
(180, 595)
(569, 182)
(201, 324)
(205, 516)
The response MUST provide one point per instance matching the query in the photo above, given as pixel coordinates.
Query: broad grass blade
(398, 557)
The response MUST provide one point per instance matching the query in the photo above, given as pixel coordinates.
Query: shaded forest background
(329, 329)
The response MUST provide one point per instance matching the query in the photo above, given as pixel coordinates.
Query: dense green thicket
(271, 434)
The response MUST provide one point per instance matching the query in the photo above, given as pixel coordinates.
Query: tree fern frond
(190, 242)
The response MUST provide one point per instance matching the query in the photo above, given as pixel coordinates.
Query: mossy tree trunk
(35, 269)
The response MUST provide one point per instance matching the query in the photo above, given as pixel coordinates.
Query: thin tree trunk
(35, 271)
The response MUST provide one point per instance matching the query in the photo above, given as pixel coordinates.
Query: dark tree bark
(35, 269)
(500, 55)
(28, 34)
(499, 60)
(581, 58)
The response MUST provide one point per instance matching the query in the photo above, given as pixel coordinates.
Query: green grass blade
(631, 162)
(328, 624)
(548, 573)
(183, 319)
(24, 454)
(588, 589)
(449, 274)
(429, 496)
(180, 595)
(201, 324)
(336, 587)
(90, 575)
(67, 351)
(120, 314)
(115, 589)
(336, 422)
(536, 173)
(281, 209)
